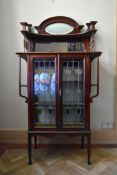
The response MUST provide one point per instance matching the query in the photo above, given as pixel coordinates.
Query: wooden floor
(59, 162)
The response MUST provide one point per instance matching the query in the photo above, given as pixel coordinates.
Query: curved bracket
(97, 84)
(20, 84)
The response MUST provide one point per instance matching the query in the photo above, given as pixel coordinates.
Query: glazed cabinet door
(44, 98)
(72, 92)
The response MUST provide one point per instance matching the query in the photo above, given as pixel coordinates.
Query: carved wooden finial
(29, 27)
(88, 25)
(93, 23)
(24, 24)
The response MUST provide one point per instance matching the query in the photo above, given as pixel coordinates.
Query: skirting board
(20, 136)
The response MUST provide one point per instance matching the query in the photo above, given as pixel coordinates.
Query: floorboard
(58, 162)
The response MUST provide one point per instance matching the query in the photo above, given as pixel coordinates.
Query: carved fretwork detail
(92, 43)
(26, 44)
(32, 46)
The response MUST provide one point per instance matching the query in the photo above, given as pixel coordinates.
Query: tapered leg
(89, 148)
(35, 140)
(82, 141)
(29, 149)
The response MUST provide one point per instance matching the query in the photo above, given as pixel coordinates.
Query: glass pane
(73, 93)
(44, 92)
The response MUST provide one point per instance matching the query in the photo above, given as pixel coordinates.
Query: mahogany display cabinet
(59, 55)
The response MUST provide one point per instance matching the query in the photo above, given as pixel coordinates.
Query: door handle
(60, 92)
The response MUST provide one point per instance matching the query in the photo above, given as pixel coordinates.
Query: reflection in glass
(72, 82)
(76, 46)
(44, 92)
(67, 72)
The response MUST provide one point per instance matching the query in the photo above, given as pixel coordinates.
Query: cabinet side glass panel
(44, 85)
(73, 93)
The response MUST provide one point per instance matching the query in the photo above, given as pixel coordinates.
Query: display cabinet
(59, 56)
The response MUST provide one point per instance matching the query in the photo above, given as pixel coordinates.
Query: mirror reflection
(59, 47)
(59, 29)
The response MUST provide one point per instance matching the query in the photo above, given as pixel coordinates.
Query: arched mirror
(59, 25)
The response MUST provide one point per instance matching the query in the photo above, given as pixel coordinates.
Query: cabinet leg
(29, 149)
(35, 141)
(89, 148)
(82, 142)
